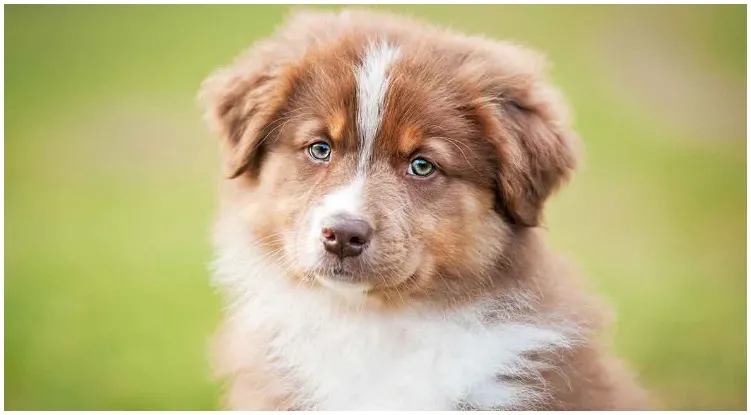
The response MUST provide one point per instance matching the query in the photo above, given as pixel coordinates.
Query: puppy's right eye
(320, 151)
(420, 168)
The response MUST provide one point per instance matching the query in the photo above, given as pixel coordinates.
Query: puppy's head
(381, 155)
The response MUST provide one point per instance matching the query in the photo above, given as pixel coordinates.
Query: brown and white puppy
(377, 238)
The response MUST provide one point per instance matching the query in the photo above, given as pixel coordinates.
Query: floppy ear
(527, 120)
(240, 102)
(545, 155)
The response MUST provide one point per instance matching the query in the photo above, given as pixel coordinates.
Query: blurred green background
(110, 186)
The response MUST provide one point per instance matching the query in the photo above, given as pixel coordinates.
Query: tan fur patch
(410, 139)
(336, 124)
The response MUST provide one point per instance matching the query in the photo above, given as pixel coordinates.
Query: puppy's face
(378, 166)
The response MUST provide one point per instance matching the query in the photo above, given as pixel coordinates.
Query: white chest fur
(406, 362)
(343, 358)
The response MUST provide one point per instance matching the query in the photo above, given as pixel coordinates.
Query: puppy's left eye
(420, 167)
(320, 151)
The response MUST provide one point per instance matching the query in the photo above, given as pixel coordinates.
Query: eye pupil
(320, 151)
(421, 167)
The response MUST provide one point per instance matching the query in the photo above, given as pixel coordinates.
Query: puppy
(378, 238)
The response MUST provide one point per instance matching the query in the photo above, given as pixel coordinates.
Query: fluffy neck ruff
(336, 353)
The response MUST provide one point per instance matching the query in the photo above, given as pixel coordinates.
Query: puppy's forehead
(372, 75)
(409, 95)
(382, 97)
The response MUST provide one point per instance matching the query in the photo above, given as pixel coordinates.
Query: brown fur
(482, 111)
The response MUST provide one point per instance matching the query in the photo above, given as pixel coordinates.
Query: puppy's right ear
(527, 119)
(241, 101)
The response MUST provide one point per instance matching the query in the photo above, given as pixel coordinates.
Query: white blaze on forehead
(372, 84)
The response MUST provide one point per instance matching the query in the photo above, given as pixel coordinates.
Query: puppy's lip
(340, 271)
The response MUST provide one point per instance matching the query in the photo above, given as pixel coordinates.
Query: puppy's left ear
(527, 120)
(240, 102)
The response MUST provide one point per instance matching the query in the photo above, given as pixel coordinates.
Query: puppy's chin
(348, 289)
(352, 287)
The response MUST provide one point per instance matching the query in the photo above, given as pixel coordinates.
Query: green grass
(110, 183)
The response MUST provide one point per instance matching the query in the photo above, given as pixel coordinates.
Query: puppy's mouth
(347, 270)
(340, 273)
(357, 277)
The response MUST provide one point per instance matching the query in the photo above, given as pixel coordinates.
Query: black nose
(346, 236)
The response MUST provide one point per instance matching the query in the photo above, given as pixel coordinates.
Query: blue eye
(320, 151)
(421, 167)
